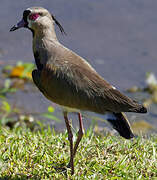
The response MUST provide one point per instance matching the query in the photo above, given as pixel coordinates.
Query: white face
(38, 20)
(35, 19)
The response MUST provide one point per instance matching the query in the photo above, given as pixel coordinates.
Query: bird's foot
(70, 165)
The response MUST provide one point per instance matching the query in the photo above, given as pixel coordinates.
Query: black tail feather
(120, 123)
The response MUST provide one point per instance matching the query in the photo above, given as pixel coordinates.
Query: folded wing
(78, 86)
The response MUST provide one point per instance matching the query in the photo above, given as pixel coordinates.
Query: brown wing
(70, 81)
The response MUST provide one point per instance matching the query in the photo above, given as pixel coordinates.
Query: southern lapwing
(69, 80)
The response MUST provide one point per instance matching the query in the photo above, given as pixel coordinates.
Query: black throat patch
(37, 61)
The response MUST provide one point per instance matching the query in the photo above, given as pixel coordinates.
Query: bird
(68, 80)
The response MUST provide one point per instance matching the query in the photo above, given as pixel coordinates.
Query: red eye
(33, 17)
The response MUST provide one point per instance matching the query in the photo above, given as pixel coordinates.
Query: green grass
(34, 155)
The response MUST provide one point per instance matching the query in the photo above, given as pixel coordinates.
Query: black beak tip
(13, 28)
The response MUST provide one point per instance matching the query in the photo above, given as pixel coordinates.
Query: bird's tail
(120, 123)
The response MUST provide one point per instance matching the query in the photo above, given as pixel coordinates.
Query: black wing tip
(143, 110)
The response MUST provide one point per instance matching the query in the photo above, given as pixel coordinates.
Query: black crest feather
(59, 25)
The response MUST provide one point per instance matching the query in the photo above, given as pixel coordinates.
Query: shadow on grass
(19, 177)
(60, 168)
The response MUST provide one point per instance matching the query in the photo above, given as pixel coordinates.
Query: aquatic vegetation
(20, 70)
(10, 115)
(49, 114)
(6, 88)
(150, 88)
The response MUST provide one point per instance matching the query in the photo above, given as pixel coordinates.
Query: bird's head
(37, 19)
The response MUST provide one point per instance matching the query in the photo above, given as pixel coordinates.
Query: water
(117, 37)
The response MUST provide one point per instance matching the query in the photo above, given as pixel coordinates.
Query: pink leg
(80, 133)
(70, 138)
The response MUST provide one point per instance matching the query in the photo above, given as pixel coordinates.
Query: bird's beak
(19, 25)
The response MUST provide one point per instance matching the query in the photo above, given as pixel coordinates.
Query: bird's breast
(37, 61)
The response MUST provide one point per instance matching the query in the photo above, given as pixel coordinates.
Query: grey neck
(46, 33)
